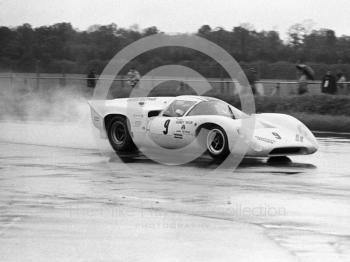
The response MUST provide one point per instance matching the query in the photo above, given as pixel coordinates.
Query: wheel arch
(222, 154)
(206, 125)
(230, 128)
(109, 117)
(130, 145)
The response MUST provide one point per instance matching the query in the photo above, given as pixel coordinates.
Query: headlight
(305, 132)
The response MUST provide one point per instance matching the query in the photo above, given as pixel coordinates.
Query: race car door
(168, 130)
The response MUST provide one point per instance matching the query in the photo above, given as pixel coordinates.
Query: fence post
(278, 89)
(221, 82)
(62, 81)
(37, 75)
(11, 80)
(122, 81)
(11, 77)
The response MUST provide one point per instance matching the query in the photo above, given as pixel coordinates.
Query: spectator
(302, 87)
(133, 77)
(259, 89)
(277, 90)
(341, 83)
(305, 73)
(252, 78)
(91, 79)
(181, 88)
(329, 85)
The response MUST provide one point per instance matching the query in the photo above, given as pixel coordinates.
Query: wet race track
(62, 200)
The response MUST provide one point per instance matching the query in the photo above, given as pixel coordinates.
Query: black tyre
(119, 136)
(217, 143)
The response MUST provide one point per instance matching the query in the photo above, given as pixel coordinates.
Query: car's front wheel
(217, 143)
(119, 136)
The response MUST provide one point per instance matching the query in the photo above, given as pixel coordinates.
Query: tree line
(60, 48)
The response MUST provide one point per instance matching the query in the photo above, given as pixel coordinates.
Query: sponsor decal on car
(137, 123)
(264, 139)
(142, 99)
(276, 135)
(299, 138)
(138, 115)
(178, 135)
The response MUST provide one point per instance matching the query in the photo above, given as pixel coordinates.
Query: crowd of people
(330, 83)
(133, 78)
(333, 84)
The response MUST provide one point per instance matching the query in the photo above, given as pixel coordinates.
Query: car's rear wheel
(119, 136)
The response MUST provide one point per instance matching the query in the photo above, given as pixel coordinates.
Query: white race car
(176, 122)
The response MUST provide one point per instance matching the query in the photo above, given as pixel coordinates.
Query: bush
(318, 112)
(312, 104)
(324, 122)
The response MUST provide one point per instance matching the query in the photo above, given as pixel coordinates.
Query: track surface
(66, 204)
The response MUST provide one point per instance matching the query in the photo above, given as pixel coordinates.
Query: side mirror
(179, 112)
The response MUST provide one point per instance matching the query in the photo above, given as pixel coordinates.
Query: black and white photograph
(174, 130)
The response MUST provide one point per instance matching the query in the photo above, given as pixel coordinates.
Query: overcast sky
(179, 15)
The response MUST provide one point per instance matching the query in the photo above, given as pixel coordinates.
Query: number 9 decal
(166, 126)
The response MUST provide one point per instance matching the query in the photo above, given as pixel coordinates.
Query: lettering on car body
(166, 126)
(142, 99)
(276, 135)
(299, 138)
(178, 135)
(137, 123)
(264, 139)
(138, 115)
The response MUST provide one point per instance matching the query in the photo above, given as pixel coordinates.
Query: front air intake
(288, 151)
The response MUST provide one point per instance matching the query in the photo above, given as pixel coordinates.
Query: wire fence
(172, 86)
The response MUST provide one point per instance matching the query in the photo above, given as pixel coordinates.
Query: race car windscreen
(178, 108)
(214, 108)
